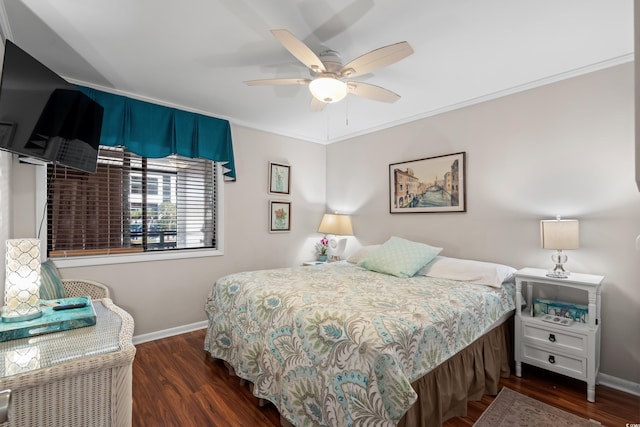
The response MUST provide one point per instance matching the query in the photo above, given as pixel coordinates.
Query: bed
(341, 344)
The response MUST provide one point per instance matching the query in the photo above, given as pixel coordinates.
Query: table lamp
(337, 225)
(22, 280)
(559, 234)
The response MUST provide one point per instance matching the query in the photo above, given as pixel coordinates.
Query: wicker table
(80, 377)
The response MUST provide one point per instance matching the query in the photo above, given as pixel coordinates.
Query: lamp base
(22, 318)
(336, 249)
(558, 274)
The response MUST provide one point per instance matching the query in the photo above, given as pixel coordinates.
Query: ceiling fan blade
(377, 58)
(277, 82)
(316, 104)
(299, 50)
(373, 92)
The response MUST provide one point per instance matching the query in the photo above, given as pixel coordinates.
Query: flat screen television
(44, 117)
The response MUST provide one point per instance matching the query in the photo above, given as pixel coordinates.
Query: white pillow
(399, 257)
(485, 273)
(361, 253)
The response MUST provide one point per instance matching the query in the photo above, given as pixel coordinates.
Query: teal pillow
(399, 257)
(50, 282)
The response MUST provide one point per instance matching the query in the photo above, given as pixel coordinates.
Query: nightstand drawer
(563, 340)
(575, 367)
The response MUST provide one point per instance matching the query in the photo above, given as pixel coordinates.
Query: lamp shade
(328, 89)
(22, 280)
(336, 224)
(559, 234)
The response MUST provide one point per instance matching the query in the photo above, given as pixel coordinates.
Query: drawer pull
(552, 359)
(552, 337)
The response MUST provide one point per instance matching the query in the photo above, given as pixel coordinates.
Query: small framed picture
(279, 178)
(279, 216)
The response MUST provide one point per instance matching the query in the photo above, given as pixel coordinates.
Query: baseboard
(619, 384)
(165, 333)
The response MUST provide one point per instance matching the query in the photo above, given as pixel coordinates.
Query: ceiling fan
(328, 82)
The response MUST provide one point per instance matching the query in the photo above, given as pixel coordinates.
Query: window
(132, 204)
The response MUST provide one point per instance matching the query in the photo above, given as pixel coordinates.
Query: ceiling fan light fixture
(328, 89)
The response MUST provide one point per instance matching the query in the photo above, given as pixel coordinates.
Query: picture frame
(429, 185)
(279, 178)
(279, 216)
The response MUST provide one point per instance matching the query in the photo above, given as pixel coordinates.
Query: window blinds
(131, 204)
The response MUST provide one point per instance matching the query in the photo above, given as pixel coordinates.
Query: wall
(636, 27)
(5, 209)
(5, 206)
(169, 294)
(565, 148)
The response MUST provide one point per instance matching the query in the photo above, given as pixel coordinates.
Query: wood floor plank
(175, 384)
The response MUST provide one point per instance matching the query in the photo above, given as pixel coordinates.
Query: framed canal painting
(279, 216)
(434, 184)
(279, 178)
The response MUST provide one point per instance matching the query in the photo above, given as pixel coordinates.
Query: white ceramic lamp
(559, 234)
(22, 280)
(337, 225)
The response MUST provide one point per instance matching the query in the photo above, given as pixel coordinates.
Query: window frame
(91, 260)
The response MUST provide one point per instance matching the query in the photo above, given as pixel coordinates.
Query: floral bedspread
(338, 345)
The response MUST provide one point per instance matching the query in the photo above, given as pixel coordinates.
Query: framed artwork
(434, 184)
(279, 178)
(279, 216)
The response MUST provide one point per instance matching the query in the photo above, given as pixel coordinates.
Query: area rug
(511, 408)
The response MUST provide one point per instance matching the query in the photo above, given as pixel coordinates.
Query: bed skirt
(443, 393)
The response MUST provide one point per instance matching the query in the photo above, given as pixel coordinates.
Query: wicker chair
(80, 288)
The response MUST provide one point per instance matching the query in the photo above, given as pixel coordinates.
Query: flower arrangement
(322, 247)
(281, 214)
(281, 217)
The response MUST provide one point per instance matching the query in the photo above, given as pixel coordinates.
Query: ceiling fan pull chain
(328, 125)
(346, 114)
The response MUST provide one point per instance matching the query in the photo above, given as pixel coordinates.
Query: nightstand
(572, 350)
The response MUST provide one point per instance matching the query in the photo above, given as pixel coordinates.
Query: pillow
(50, 282)
(399, 257)
(361, 253)
(485, 273)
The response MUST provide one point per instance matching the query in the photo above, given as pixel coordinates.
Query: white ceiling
(195, 54)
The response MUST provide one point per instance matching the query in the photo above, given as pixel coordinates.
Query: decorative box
(51, 320)
(577, 312)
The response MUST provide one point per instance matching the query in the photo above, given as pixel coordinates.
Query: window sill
(85, 261)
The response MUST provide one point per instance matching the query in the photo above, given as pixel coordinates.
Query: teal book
(53, 319)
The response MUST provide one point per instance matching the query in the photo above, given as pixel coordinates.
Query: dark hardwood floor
(176, 384)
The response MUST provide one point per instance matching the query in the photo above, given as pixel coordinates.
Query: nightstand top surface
(574, 278)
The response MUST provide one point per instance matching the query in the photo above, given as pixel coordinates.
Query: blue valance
(154, 131)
